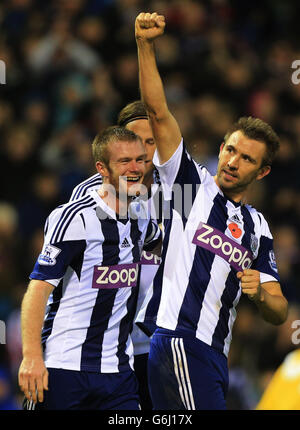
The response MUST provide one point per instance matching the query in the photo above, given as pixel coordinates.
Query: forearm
(165, 129)
(151, 86)
(273, 308)
(32, 317)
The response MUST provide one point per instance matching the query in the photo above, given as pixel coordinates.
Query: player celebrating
(90, 281)
(134, 117)
(225, 249)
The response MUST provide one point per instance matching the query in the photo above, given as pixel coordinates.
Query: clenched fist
(250, 283)
(149, 26)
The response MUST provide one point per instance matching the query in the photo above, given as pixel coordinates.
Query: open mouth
(133, 179)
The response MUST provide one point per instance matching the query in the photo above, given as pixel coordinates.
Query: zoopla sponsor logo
(117, 276)
(217, 242)
(2, 332)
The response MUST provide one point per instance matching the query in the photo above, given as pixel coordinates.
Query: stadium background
(71, 65)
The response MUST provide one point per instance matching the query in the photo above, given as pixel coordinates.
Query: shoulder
(68, 220)
(260, 222)
(92, 183)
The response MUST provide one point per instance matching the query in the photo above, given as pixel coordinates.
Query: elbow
(157, 113)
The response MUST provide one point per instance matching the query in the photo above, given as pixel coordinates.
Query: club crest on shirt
(48, 255)
(253, 243)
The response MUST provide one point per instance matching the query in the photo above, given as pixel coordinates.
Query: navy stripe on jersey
(248, 228)
(126, 327)
(227, 299)
(187, 173)
(148, 325)
(48, 323)
(135, 235)
(92, 347)
(71, 250)
(83, 188)
(68, 214)
(231, 287)
(192, 303)
(187, 176)
(263, 264)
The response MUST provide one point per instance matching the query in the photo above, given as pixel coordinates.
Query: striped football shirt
(91, 257)
(207, 239)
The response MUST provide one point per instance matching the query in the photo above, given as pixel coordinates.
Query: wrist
(143, 42)
(33, 353)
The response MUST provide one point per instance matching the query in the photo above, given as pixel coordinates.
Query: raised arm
(164, 126)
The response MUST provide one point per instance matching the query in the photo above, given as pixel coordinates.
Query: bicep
(40, 289)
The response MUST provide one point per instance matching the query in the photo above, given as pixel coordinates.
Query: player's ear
(221, 148)
(263, 171)
(101, 168)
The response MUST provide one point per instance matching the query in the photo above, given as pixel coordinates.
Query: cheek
(150, 151)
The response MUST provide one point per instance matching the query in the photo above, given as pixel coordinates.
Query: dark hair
(110, 134)
(131, 112)
(256, 129)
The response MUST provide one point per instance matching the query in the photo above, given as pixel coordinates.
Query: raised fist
(149, 26)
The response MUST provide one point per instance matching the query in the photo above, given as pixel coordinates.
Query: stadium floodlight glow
(2, 72)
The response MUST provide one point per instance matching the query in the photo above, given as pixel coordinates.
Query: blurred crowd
(71, 65)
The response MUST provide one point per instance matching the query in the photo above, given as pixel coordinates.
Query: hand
(250, 283)
(149, 26)
(33, 378)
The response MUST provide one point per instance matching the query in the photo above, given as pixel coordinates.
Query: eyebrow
(252, 160)
(144, 155)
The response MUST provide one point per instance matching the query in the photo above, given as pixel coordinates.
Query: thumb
(239, 275)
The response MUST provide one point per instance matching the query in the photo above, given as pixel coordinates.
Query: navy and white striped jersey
(91, 183)
(207, 239)
(91, 257)
(149, 262)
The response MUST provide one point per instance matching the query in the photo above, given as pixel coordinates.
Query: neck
(237, 195)
(112, 200)
(148, 180)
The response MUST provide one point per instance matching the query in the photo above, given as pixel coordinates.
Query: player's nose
(233, 162)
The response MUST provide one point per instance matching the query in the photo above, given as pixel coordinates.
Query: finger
(45, 380)
(245, 279)
(40, 390)
(249, 286)
(147, 20)
(249, 291)
(33, 389)
(239, 275)
(153, 16)
(160, 21)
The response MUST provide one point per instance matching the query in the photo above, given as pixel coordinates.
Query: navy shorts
(70, 389)
(185, 373)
